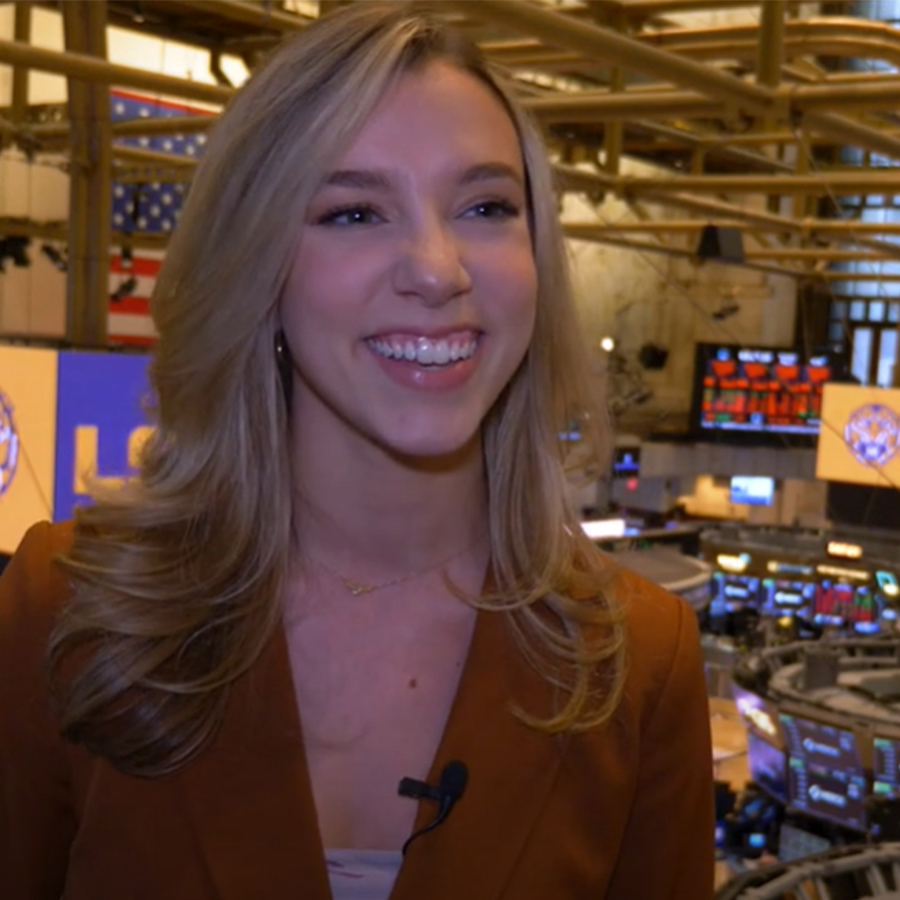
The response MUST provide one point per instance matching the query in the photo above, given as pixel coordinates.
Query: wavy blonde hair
(178, 575)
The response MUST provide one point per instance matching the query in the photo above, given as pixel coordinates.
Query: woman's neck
(363, 510)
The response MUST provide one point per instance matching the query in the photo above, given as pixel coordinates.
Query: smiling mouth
(424, 351)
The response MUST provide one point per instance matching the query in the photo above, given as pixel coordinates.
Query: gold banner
(859, 440)
(28, 384)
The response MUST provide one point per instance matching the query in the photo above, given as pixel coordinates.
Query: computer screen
(838, 603)
(836, 795)
(826, 778)
(759, 716)
(741, 389)
(886, 766)
(783, 597)
(768, 766)
(753, 490)
(821, 744)
(731, 593)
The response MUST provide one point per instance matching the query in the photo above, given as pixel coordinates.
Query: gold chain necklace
(358, 588)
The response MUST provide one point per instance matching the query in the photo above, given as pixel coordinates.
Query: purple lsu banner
(66, 418)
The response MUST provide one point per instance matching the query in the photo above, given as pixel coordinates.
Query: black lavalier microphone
(451, 787)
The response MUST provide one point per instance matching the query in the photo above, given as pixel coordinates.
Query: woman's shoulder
(662, 631)
(33, 589)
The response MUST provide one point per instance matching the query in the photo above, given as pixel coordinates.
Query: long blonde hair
(178, 575)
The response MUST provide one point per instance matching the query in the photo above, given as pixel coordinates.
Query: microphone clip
(452, 785)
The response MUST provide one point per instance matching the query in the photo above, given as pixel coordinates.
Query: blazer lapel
(512, 769)
(251, 802)
(250, 796)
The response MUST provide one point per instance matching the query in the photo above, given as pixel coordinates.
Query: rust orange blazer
(623, 813)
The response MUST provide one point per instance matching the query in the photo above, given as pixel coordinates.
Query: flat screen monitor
(753, 490)
(838, 603)
(760, 717)
(886, 766)
(768, 767)
(757, 390)
(833, 794)
(784, 597)
(821, 744)
(730, 593)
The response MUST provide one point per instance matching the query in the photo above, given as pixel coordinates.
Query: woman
(366, 352)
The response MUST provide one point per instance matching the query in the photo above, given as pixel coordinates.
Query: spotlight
(57, 258)
(124, 290)
(607, 344)
(14, 248)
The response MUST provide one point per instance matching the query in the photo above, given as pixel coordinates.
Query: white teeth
(425, 351)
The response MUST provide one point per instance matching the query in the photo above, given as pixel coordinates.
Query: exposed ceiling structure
(749, 124)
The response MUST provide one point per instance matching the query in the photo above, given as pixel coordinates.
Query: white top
(362, 874)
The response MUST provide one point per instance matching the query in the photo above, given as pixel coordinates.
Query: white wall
(640, 297)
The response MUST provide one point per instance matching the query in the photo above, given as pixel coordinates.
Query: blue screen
(755, 490)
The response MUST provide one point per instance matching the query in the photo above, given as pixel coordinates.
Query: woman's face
(411, 299)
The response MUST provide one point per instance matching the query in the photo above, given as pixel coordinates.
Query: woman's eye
(350, 215)
(493, 209)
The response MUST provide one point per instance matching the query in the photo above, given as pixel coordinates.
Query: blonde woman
(347, 559)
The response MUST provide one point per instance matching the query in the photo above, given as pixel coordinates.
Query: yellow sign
(731, 563)
(859, 438)
(844, 550)
(28, 382)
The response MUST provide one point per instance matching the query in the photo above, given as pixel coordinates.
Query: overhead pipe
(843, 36)
(578, 180)
(840, 183)
(816, 226)
(603, 107)
(615, 49)
(681, 137)
(88, 68)
(670, 250)
(261, 17)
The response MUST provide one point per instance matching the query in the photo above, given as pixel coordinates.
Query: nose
(429, 265)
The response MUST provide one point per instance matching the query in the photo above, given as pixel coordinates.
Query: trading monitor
(826, 778)
(886, 767)
(768, 767)
(783, 597)
(838, 603)
(731, 593)
(821, 744)
(835, 795)
(753, 490)
(758, 390)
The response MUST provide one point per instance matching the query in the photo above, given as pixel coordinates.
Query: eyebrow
(490, 171)
(368, 179)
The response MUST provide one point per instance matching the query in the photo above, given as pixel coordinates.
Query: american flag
(149, 208)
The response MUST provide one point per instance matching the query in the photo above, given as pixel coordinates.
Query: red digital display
(836, 602)
(760, 390)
